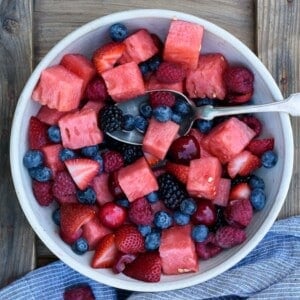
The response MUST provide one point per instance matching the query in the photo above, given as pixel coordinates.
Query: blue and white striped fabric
(270, 271)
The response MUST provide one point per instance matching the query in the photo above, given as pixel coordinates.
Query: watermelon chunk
(159, 136)
(52, 160)
(204, 177)
(228, 139)
(49, 116)
(124, 81)
(183, 43)
(223, 191)
(59, 88)
(100, 185)
(94, 105)
(177, 251)
(137, 180)
(154, 84)
(207, 79)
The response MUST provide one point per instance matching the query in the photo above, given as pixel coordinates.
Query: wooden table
(271, 28)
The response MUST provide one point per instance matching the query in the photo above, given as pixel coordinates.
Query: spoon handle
(290, 105)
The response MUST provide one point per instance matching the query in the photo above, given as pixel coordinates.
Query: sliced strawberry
(259, 146)
(82, 170)
(240, 191)
(106, 56)
(121, 261)
(43, 192)
(243, 164)
(146, 267)
(105, 253)
(181, 172)
(38, 136)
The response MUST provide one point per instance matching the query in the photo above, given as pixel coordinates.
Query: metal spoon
(290, 105)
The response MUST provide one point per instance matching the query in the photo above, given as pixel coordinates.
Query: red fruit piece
(238, 98)
(114, 186)
(223, 191)
(121, 261)
(82, 170)
(64, 189)
(79, 292)
(184, 149)
(208, 248)
(151, 159)
(168, 72)
(205, 214)
(153, 84)
(253, 123)
(259, 146)
(52, 159)
(157, 42)
(146, 267)
(100, 185)
(43, 192)
(181, 172)
(96, 90)
(129, 239)
(240, 191)
(162, 98)
(243, 164)
(112, 161)
(140, 212)
(49, 116)
(38, 136)
(228, 236)
(112, 215)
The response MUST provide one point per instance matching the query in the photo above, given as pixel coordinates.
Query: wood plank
(16, 236)
(278, 46)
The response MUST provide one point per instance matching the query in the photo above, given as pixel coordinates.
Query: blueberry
(128, 122)
(141, 124)
(118, 32)
(41, 173)
(144, 229)
(199, 233)
(152, 197)
(54, 134)
(144, 68)
(33, 159)
(87, 196)
(181, 107)
(162, 219)
(152, 241)
(188, 206)
(162, 113)
(258, 199)
(90, 151)
(204, 126)
(98, 158)
(56, 216)
(123, 202)
(204, 101)
(66, 154)
(269, 159)
(80, 246)
(256, 182)
(181, 218)
(153, 63)
(145, 110)
(176, 118)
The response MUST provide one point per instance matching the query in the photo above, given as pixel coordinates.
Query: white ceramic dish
(85, 40)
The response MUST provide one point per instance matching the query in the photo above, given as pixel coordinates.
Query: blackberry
(171, 191)
(131, 153)
(111, 118)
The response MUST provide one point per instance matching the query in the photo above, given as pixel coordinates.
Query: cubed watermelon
(124, 81)
(49, 116)
(177, 251)
(100, 185)
(52, 159)
(223, 191)
(204, 177)
(183, 43)
(159, 137)
(94, 105)
(228, 139)
(59, 88)
(80, 129)
(207, 79)
(154, 84)
(137, 180)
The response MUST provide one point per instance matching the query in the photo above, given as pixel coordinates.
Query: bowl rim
(114, 281)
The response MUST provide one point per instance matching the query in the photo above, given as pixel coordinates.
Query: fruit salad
(166, 205)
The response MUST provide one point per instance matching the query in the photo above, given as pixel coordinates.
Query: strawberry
(161, 98)
(79, 292)
(64, 189)
(121, 261)
(106, 56)
(38, 136)
(43, 192)
(243, 164)
(228, 236)
(112, 215)
(112, 161)
(146, 267)
(240, 191)
(180, 171)
(72, 217)
(105, 253)
(82, 170)
(259, 146)
(208, 248)
(96, 90)
(129, 239)
(253, 123)
(140, 212)
(168, 72)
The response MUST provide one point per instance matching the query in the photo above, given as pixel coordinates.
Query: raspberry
(64, 187)
(259, 146)
(96, 90)
(253, 123)
(42, 192)
(228, 236)
(112, 161)
(140, 212)
(162, 99)
(170, 73)
(208, 248)
(76, 292)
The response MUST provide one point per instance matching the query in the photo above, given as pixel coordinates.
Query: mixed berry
(163, 206)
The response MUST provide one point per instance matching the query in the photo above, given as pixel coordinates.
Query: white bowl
(85, 40)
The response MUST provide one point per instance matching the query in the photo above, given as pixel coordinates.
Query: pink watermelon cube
(223, 191)
(59, 89)
(204, 177)
(49, 116)
(80, 129)
(95, 105)
(228, 139)
(159, 137)
(177, 251)
(183, 43)
(52, 160)
(154, 84)
(207, 79)
(137, 180)
(100, 185)
(124, 81)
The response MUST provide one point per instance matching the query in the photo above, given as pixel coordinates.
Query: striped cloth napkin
(270, 271)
